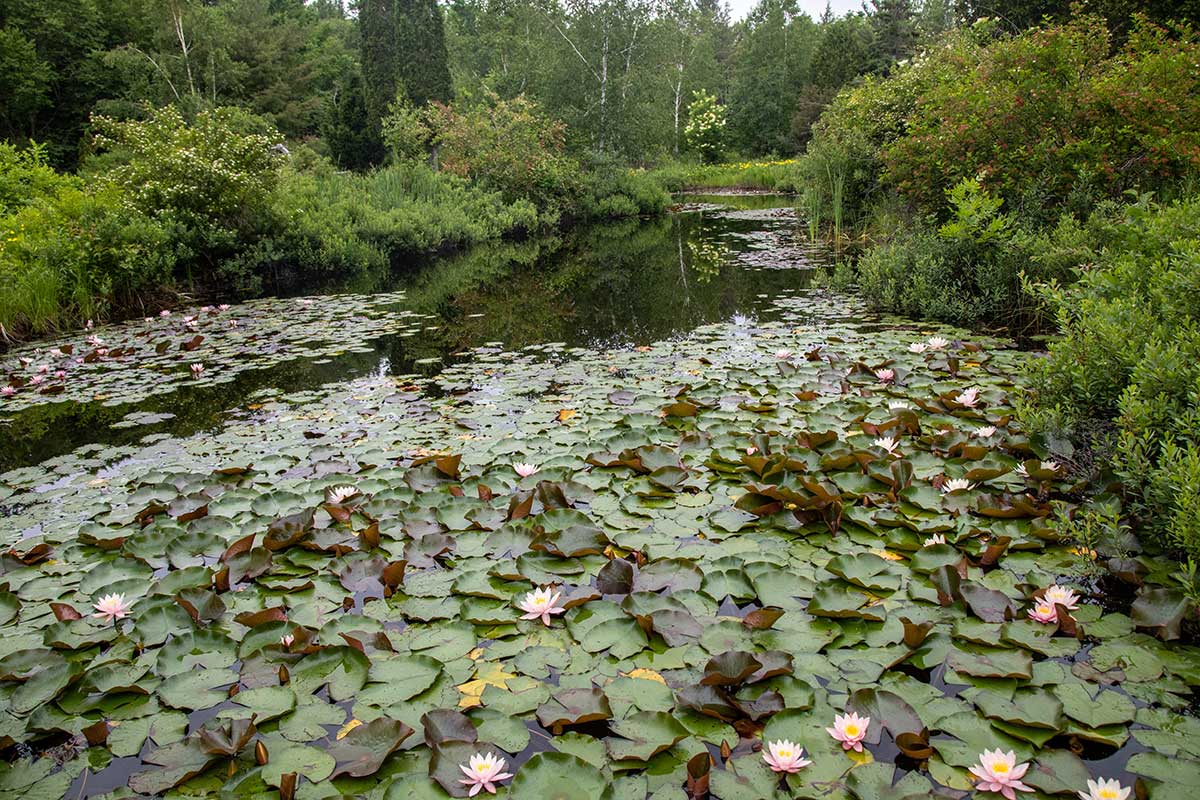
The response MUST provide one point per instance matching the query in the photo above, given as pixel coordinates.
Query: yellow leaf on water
(488, 674)
(565, 414)
(349, 726)
(645, 674)
(888, 554)
(864, 757)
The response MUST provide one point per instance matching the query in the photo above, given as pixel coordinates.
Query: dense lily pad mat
(742, 527)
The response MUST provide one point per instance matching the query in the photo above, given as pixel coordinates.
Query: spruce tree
(424, 65)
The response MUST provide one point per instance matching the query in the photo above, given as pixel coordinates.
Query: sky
(815, 8)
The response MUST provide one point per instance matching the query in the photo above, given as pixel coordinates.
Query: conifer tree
(421, 40)
(381, 57)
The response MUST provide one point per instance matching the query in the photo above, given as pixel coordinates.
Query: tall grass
(812, 204)
(768, 175)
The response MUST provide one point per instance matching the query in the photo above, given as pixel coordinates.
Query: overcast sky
(815, 8)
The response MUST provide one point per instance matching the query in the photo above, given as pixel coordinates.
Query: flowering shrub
(705, 131)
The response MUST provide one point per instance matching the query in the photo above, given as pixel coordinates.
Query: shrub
(705, 129)
(1047, 113)
(508, 146)
(1129, 352)
(26, 178)
(211, 180)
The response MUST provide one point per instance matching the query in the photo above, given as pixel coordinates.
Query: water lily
(1050, 466)
(957, 485)
(1057, 595)
(197, 370)
(937, 538)
(223, 307)
(88, 326)
(918, 347)
(969, 397)
(484, 772)
(540, 603)
(287, 640)
(206, 309)
(938, 343)
(164, 313)
(1105, 789)
(190, 318)
(984, 432)
(60, 374)
(1044, 613)
(25, 361)
(897, 405)
(7, 391)
(525, 470)
(43, 368)
(56, 352)
(885, 375)
(336, 495)
(783, 355)
(849, 729)
(35, 380)
(998, 771)
(785, 756)
(751, 450)
(889, 443)
(112, 608)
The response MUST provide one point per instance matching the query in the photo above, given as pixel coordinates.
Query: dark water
(604, 286)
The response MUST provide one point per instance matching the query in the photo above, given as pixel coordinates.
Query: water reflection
(605, 286)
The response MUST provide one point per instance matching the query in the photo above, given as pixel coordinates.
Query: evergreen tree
(421, 41)
(380, 60)
(894, 25)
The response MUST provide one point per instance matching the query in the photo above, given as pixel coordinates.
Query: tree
(380, 59)
(706, 126)
(894, 26)
(420, 42)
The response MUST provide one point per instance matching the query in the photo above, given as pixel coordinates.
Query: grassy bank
(216, 206)
(776, 176)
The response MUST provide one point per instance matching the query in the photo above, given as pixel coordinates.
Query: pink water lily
(112, 608)
(483, 772)
(1105, 789)
(287, 640)
(968, 397)
(88, 326)
(223, 307)
(783, 355)
(886, 375)
(785, 756)
(164, 313)
(197, 370)
(998, 771)
(7, 391)
(525, 470)
(849, 729)
(540, 603)
(43, 368)
(1057, 595)
(24, 361)
(1044, 613)
(985, 432)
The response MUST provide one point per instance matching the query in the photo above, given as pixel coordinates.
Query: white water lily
(938, 343)
(897, 405)
(336, 495)
(937, 538)
(197, 370)
(889, 443)
(1061, 596)
(540, 603)
(112, 607)
(957, 485)
(1105, 789)
(984, 432)
(286, 641)
(483, 772)
(783, 355)
(918, 347)
(525, 470)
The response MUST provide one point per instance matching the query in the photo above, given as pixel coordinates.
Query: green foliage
(406, 134)
(1045, 111)
(421, 42)
(1129, 351)
(26, 178)
(705, 131)
(210, 180)
(681, 176)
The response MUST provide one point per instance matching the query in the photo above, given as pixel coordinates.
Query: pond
(755, 507)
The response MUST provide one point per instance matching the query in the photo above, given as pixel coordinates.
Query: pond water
(758, 504)
(615, 285)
